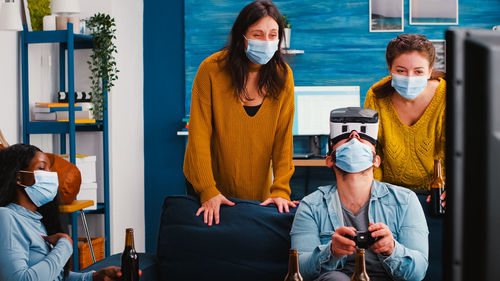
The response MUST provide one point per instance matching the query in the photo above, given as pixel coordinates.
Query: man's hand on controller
(341, 245)
(385, 244)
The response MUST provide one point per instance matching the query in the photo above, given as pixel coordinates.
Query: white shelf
(292, 52)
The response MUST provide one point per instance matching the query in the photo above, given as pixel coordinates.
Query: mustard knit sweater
(230, 152)
(408, 152)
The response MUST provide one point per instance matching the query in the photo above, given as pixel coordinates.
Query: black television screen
(472, 220)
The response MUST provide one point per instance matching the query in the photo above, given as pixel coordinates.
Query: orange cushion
(69, 176)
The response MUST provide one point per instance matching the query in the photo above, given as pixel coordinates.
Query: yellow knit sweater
(230, 152)
(408, 152)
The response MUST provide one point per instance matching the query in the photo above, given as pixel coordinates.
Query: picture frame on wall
(432, 12)
(440, 62)
(386, 15)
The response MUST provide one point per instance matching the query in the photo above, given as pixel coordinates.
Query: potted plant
(285, 42)
(102, 62)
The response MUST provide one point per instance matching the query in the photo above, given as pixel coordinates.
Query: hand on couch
(281, 203)
(211, 208)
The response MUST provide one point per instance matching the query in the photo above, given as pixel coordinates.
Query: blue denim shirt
(24, 254)
(320, 213)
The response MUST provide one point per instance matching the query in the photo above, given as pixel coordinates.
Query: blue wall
(163, 108)
(339, 49)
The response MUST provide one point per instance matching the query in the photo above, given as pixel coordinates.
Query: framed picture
(386, 15)
(442, 12)
(440, 47)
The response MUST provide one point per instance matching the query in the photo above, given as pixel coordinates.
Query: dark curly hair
(12, 160)
(406, 43)
(273, 75)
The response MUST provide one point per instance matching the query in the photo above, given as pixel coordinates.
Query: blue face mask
(409, 86)
(45, 188)
(260, 52)
(353, 156)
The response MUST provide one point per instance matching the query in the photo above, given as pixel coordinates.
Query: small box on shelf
(87, 166)
(88, 191)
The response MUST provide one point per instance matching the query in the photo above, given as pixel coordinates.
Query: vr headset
(345, 120)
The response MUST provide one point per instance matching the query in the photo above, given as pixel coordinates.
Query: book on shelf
(53, 104)
(64, 115)
(54, 109)
(61, 115)
(80, 121)
(48, 116)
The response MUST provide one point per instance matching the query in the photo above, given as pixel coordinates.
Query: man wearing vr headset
(359, 206)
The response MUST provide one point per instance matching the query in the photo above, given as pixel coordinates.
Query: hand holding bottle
(109, 273)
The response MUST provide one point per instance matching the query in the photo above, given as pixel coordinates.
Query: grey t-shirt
(360, 221)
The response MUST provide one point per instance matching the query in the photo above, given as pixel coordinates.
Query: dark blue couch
(250, 243)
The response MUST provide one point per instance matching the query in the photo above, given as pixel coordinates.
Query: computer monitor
(314, 103)
(472, 220)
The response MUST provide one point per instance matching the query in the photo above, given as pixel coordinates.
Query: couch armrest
(148, 263)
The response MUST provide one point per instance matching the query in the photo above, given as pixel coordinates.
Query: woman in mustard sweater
(411, 104)
(242, 107)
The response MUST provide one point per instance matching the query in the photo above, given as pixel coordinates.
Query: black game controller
(363, 239)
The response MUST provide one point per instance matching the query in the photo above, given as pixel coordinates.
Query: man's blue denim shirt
(320, 213)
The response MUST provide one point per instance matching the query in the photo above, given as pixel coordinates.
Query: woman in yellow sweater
(241, 118)
(411, 104)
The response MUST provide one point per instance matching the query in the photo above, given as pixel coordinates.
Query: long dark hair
(13, 159)
(272, 76)
(406, 43)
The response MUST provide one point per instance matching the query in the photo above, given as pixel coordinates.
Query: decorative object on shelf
(66, 11)
(79, 97)
(65, 7)
(285, 42)
(9, 17)
(49, 22)
(75, 20)
(102, 62)
(38, 9)
(3, 141)
(61, 22)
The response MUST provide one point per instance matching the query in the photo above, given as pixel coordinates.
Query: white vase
(285, 42)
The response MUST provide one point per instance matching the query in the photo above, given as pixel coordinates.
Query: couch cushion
(250, 243)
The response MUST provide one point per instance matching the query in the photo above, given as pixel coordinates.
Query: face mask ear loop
(19, 179)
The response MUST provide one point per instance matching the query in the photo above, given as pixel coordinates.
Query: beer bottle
(360, 267)
(437, 188)
(293, 267)
(130, 259)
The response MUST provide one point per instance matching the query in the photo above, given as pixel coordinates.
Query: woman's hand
(443, 199)
(52, 239)
(211, 208)
(281, 203)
